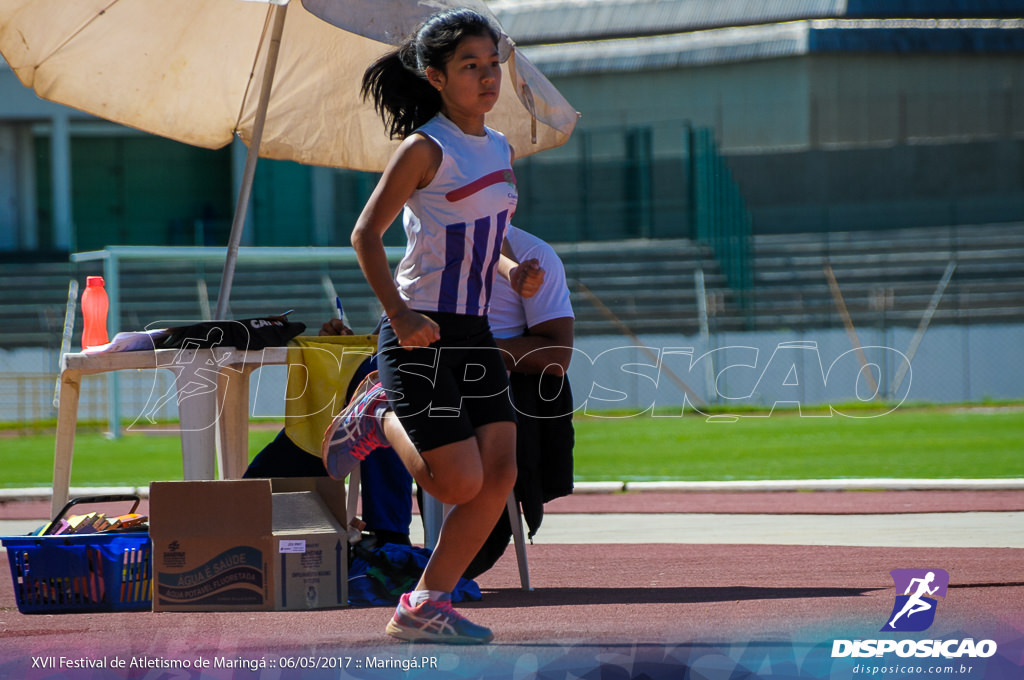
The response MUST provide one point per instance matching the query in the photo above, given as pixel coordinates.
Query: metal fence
(27, 400)
(720, 217)
(748, 373)
(666, 180)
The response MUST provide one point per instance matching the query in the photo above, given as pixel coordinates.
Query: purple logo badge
(916, 590)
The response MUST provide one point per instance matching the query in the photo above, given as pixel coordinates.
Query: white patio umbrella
(275, 73)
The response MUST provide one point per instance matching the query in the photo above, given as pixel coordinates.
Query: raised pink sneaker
(355, 432)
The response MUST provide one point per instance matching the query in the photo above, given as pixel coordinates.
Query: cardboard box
(249, 544)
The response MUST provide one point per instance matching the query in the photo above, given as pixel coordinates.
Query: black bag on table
(254, 334)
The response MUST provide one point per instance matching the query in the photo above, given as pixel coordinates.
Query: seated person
(536, 335)
(387, 514)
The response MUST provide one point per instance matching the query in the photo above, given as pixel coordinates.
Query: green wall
(282, 208)
(142, 190)
(145, 190)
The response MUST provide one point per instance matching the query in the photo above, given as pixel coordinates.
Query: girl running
(441, 397)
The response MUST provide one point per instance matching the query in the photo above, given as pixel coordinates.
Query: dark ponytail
(403, 98)
(397, 82)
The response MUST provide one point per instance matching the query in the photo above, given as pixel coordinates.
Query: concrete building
(831, 115)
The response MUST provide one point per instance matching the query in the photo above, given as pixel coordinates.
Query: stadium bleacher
(889, 278)
(885, 277)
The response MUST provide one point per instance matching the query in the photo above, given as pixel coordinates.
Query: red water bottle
(94, 312)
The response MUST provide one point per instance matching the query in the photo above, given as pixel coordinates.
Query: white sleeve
(552, 300)
(510, 315)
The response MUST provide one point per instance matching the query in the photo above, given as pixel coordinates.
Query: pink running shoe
(435, 621)
(355, 432)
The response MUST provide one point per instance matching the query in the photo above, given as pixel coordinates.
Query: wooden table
(212, 393)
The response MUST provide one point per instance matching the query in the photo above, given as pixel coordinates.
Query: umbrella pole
(245, 191)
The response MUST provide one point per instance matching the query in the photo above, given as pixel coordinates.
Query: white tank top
(455, 225)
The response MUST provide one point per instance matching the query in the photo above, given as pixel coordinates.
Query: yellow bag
(319, 372)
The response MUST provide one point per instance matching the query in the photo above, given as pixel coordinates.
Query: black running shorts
(443, 392)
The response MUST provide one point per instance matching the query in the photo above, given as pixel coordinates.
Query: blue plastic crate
(87, 573)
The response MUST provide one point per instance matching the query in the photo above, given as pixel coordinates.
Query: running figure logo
(914, 610)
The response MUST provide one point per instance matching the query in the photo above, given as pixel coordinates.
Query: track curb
(873, 484)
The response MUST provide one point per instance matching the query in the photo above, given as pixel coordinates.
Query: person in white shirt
(537, 330)
(536, 336)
